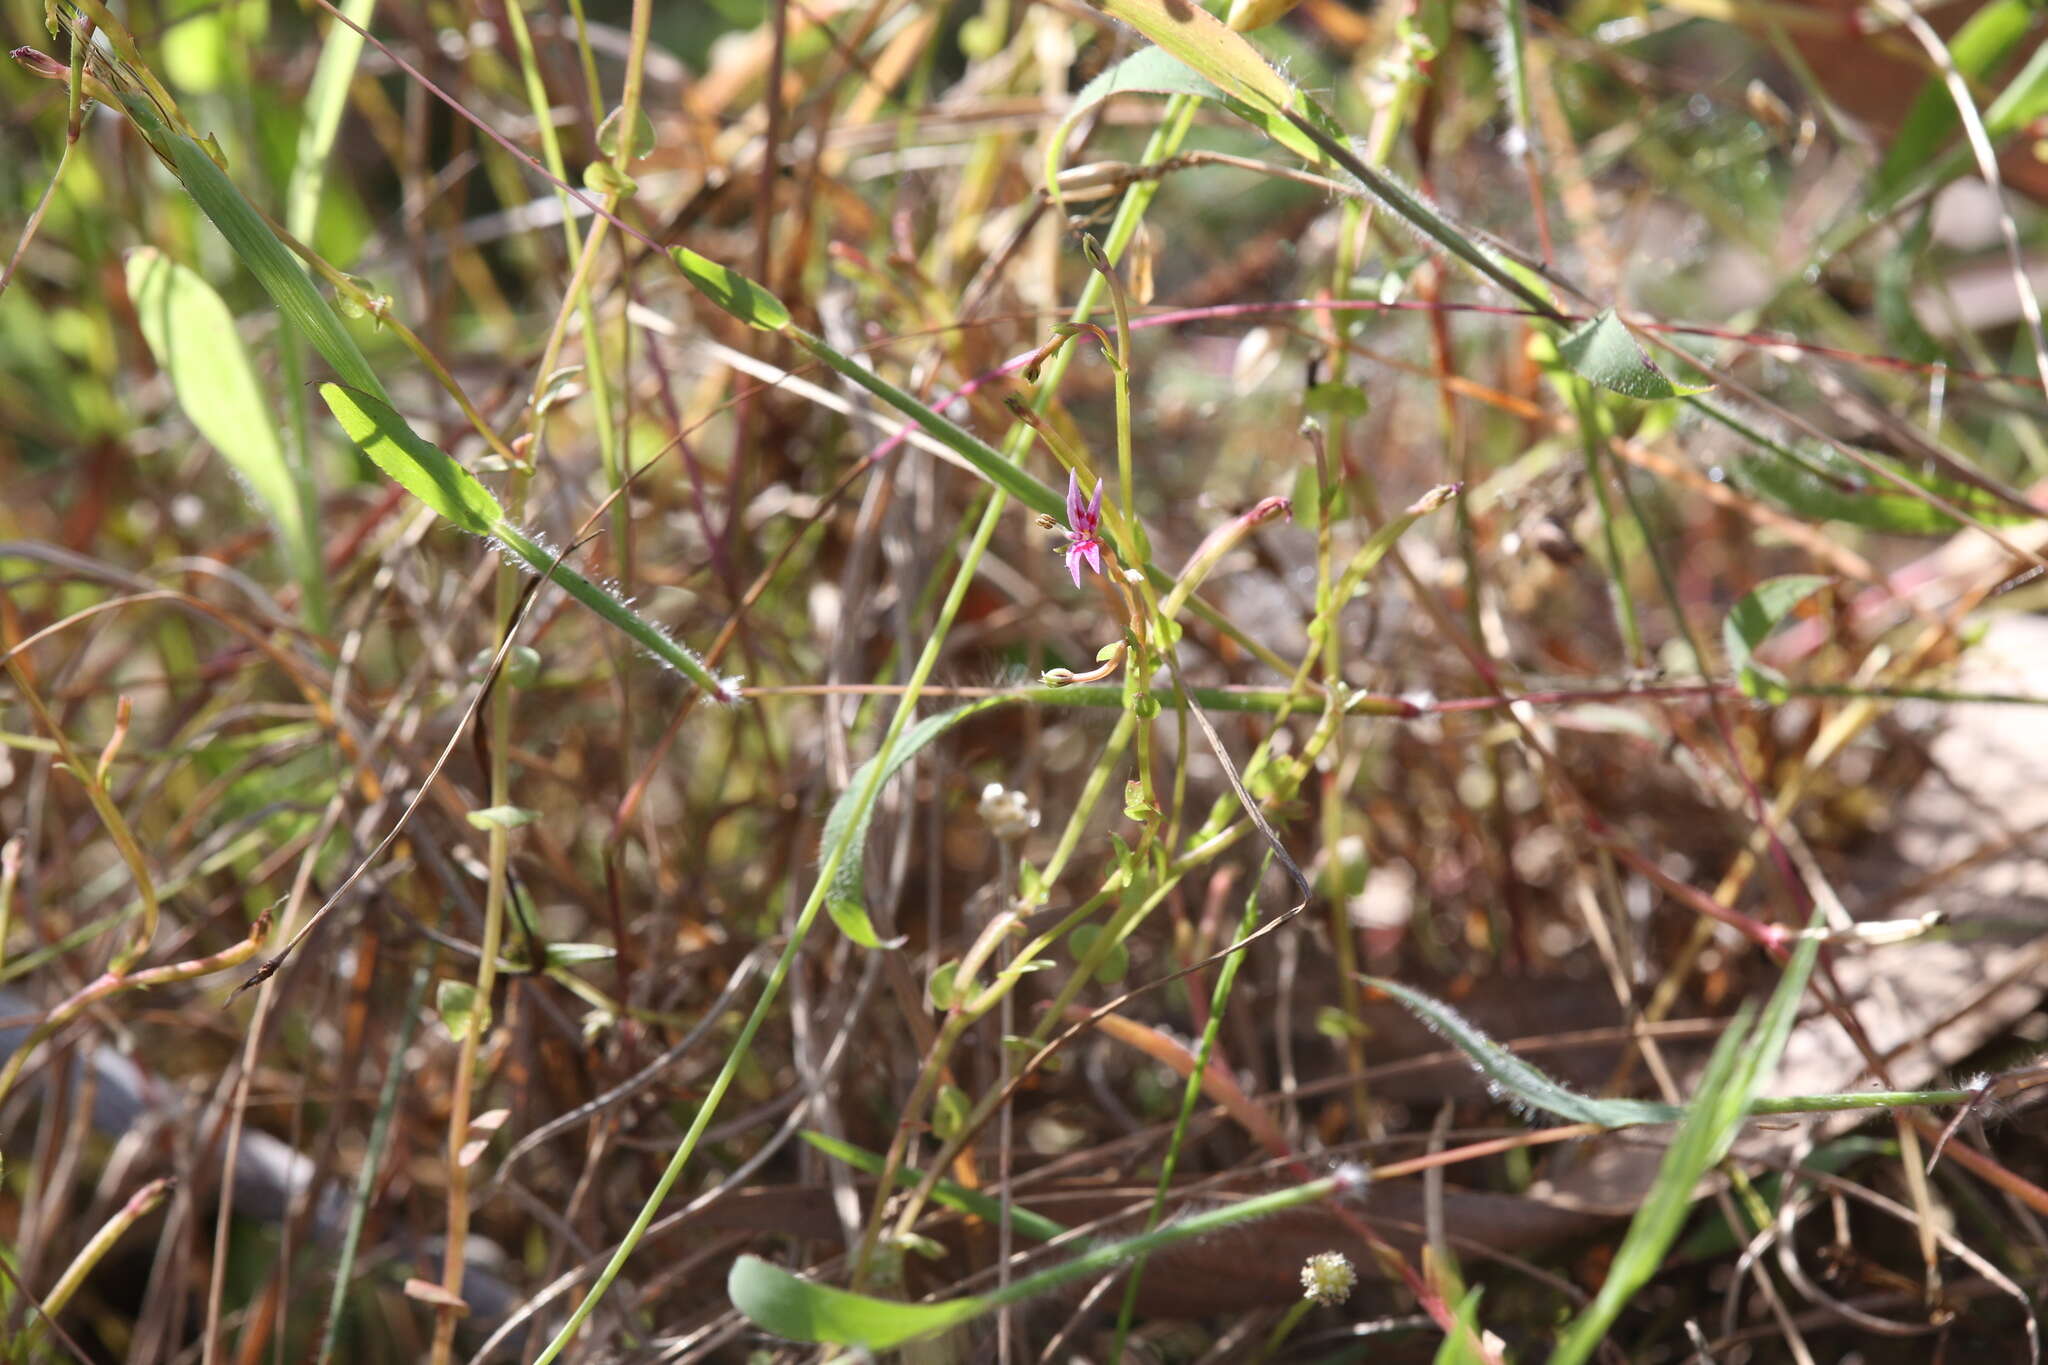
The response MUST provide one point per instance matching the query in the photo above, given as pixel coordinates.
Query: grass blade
(267, 258)
(326, 100)
(1740, 1062)
(1821, 484)
(430, 475)
(1701, 1142)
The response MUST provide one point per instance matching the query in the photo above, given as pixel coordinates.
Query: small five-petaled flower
(1084, 520)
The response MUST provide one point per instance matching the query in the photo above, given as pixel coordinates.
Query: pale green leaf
(1462, 1346)
(1992, 34)
(576, 954)
(643, 134)
(420, 468)
(1819, 483)
(193, 337)
(798, 1310)
(732, 291)
(849, 818)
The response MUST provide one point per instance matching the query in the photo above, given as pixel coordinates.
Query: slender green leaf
(1701, 1141)
(1514, 1080)
(1606, 353)
(773, 1298)
(1751, 621)
(192, 335)
(1462, 1347)
(1385, 538)
(848, 819)
(732, 291)
(438, 481)
(1742, 1060)
(341, 48)
(1820, 483)
(422, 469)
(953, 1196)
(1992, 34)
(267, 258)
(2024, 99)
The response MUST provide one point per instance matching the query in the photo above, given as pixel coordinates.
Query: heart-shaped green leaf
(1605, 352)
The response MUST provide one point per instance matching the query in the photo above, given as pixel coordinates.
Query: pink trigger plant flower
(1084, 521)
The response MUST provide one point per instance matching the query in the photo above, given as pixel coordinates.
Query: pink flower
(1083, 520)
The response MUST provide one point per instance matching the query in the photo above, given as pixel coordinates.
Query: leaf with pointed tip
(1513, 1079)
(267, 258)
(732, 291)
(1992, 34)
(438, 481)
(1743, 1058)
(1604, 351)
(1821, 484)
(1462, 1346)
(422, 469)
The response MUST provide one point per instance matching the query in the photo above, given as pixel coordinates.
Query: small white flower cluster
(1327, 1277)
(1006, 812)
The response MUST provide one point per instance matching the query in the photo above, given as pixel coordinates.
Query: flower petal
(1074, 505)
(1090, 550)
(1095, 504)
(1074, 562)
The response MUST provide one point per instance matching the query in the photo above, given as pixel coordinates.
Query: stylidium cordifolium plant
(834, 907)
